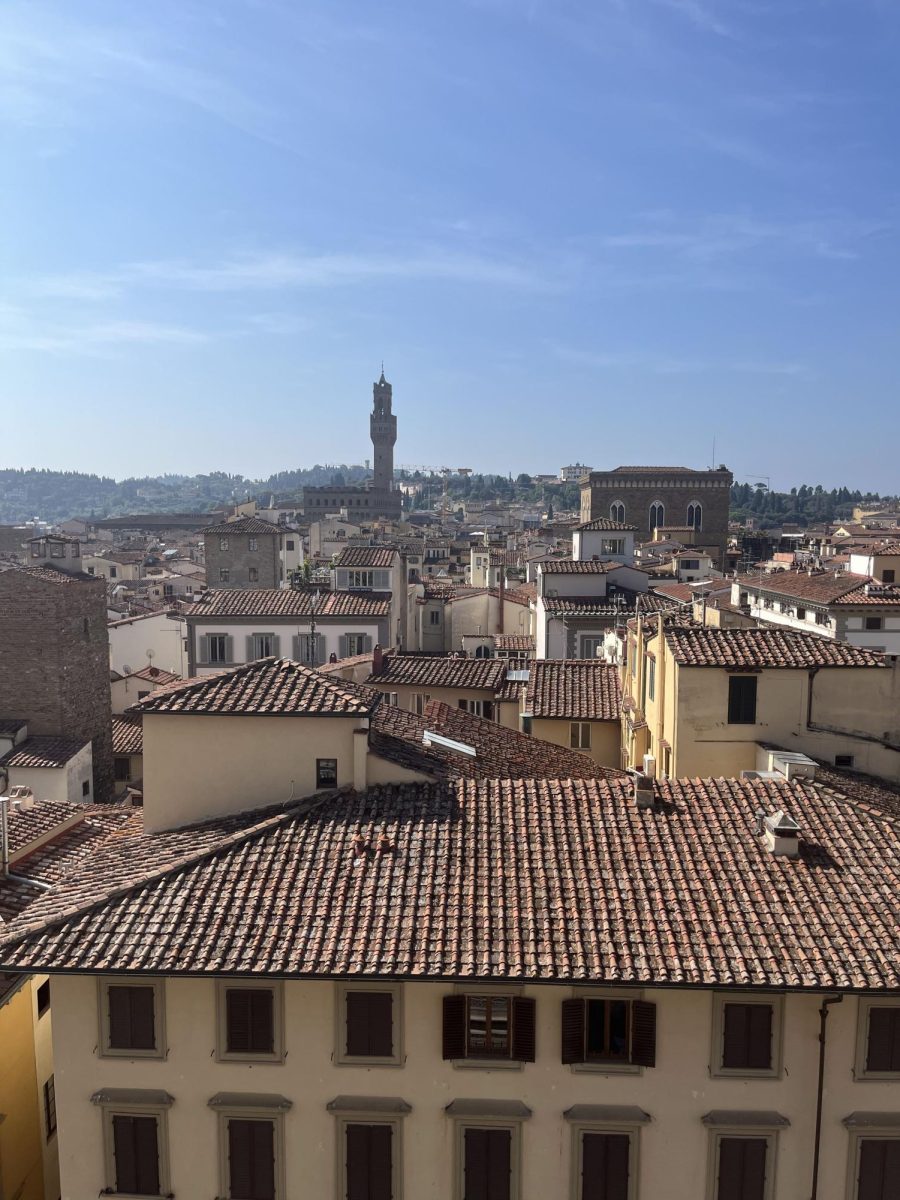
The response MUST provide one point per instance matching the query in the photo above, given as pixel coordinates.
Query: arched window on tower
(657, 515)
(695, 515)
(617, 512)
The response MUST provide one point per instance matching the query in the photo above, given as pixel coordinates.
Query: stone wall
(54, 661)
(238, 559)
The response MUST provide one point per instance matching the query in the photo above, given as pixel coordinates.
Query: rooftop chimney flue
(782, 834)
(644, 795)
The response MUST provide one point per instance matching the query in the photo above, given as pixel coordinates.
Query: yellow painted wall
(606, 737)
(21, 1125)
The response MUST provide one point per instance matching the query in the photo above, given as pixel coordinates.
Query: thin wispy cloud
(653, 363)
(21, 330)
(701, 16)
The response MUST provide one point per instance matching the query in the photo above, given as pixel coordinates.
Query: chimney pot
(377, 660)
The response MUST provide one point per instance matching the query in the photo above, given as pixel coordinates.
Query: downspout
(4, 836)
(809, 697)
(823, 1017)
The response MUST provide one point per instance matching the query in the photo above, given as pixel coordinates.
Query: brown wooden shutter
(119, 1017)
(250, 1020)
(369, 1169)
(883, 1046)
(523, 1028)
(747, 1037)
(487, 1164)
(370, 1024)
(879, 1169)
(742, 1169)
(643, 1033)
(237, 1020)
(143, 1030)
(136, 1154)
(573, 1031)
(455, 1041)
(262, 1021)
(251, 1160)
(604, 1166)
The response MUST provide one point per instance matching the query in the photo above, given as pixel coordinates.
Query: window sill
(746, 1073)
(487, 1064)
(252, 1060)
(132, 1055)
(876, 1076)
(360, 1061)
(605, 1068)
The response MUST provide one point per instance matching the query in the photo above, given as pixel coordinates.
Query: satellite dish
(126, 668)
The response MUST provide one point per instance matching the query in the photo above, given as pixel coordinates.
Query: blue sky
(606, 230)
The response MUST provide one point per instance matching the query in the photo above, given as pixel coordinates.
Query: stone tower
(383, 428)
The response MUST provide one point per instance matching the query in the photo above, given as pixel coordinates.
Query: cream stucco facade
(674, 1144)
(605, 738)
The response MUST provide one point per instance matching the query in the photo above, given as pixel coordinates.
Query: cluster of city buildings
(464, 860)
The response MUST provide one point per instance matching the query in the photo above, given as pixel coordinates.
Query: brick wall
(54, 651)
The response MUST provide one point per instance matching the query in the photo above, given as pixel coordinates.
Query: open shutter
(319, 656)
(229, 649)
(249, 655)
(343, 648)
(643, 1033)
(573, 1031)
(367, 643)
(203, 648)
(523, 1028)
(276, 645)
(454, 1027)
(119, 1017)
(297, 648)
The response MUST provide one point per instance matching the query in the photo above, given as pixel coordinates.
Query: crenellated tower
(383, 429)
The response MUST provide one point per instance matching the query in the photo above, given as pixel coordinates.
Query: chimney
(377, 660)
(782, 834)
(643, 791)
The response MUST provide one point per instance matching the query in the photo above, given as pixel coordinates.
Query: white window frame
(224, 575)
(752, 1132)
(417, 702)
(865, 1006)
(717, 1046)
(341, 1057)
(119, 1108)
(258, 645)
(209, 653)
(223, 543)
(253, 544)
(159, 1015)
(356, 643)
(238, 1112)
(223, 1054)
(370, 1117)
(588, 639)
(577, 732)
(629, 1128)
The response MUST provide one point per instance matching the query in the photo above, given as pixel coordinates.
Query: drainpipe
(823, 1017)
(809, 697)
(4, 835)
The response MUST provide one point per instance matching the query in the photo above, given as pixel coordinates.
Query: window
(252, 544)
(43, 998)
(360, 579)
(617, 512)
(612, 1031)
(122, 769)
(418, 700)
(822, 618)
(289, 544)
(131, 1019)
(878, 1040)
(605, 1144)
(253, 575)
(742, 700)
(224, 575)
(590, 646)
(250, 1022)
(368, 1161)
(135, 1137)
(251, 1145)
(875, 1167)
(309, 648)
(217, 647)
(263, 645)
(888, 575)
(489, 1027)
(487, 1163)
(695, 515)
(113, 573)
(50, 1108)
(326, 773)
(223, 543)
(355, 644)
(741, 1167)
(874, 622)
(580, 735)
(86, 786)
(657, 515)
(478, 708)
(651, 678)
(843, 760)
(434, 617)
(801, 613)
(746, 1035)
(369, 1024)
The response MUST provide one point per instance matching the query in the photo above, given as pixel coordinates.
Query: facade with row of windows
(361, 1090)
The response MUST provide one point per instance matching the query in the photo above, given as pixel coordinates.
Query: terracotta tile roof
(824, 587)
(367, 556)
(10, 727)
(43, 750)
(425, 671)
(575, 689)
(127, 735)
(501, 753)
(654, 471)
(31, 825)
(51, 575)
(563, 566)
(267, 687)
(513, 641)
(877, 796)
(159, 612)
(674, 590)
(516, 879)
(603, 523)
(285, 602)
(751, 649)
(248, 526)
(154, 675)
(881, 595)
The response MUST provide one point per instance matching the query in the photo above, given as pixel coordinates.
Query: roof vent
(782, 834)
(643, 791)
(23, 797)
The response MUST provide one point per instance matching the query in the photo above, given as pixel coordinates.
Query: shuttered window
(485, 1026)
(883, 1043)
(250, 1021)
(605, 1161)
(742, 1165)
(879, 1169)
(369, 1162)
(251, 1160)
(487, 1164)
(131, 1018)
(369, 1024)
(742, 700)
(136, 1153)
(609, 1031)
(747, 1037)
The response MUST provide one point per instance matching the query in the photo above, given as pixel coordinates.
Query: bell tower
(383, 429)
